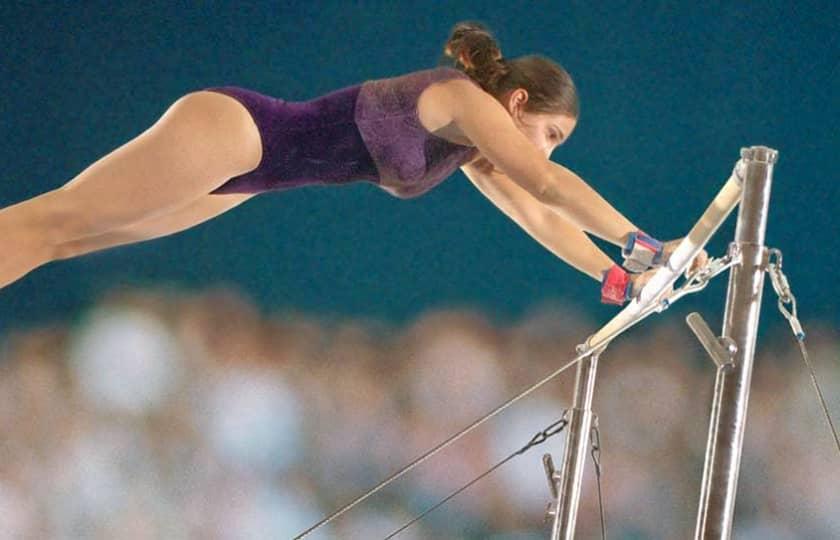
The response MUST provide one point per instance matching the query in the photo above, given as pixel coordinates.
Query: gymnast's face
(546, 131)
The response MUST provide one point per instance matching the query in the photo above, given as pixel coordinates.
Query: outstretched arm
(584, 207)
(552, 230)
(489, 126)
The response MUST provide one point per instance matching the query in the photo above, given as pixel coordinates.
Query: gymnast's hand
(639, 281)
(699, 261)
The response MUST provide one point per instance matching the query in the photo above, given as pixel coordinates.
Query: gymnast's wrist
(642, 252)
(616, 286)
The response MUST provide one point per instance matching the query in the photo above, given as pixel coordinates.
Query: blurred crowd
(181, 415)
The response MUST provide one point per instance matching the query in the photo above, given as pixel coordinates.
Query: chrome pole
(740, 323)
(567, 481)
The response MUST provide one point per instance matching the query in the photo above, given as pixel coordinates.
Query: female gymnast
(497, 119)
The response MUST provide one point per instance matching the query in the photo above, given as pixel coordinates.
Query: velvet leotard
(367, 132)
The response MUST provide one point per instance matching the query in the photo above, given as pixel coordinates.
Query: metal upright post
(567, 481)
(740, 323)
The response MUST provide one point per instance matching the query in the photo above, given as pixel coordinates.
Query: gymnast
(497, 119)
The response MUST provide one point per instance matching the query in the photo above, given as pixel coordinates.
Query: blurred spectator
(162, 414)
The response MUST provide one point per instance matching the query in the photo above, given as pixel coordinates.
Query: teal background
(669, 94)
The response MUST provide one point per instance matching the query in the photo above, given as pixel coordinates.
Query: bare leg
(203, 139)
(194, 213)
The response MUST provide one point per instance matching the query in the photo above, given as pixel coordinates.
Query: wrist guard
(642, 252)
(616, 286)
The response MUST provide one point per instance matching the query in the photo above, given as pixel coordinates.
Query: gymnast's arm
(547, 227)
(489, 126)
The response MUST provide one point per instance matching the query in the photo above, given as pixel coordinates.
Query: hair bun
(472, 45)
(476, 53)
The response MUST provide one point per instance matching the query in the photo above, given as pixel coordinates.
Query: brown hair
(475, 52)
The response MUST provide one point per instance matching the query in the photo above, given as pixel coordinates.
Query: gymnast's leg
(202, 140)
(196, 212)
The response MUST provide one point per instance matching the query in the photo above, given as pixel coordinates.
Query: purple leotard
(367, 132)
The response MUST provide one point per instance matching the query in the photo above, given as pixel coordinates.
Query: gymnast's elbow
(544, 183)
(549, 191)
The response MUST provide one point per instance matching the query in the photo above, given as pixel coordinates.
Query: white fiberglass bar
(692, 244)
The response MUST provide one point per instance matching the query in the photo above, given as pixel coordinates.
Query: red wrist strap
(615, 287)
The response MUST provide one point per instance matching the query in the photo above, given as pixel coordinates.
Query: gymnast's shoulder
(463, 112)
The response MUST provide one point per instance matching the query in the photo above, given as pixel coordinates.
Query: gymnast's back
(366, 132)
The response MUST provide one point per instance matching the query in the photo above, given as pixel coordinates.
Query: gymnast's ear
(490, 128)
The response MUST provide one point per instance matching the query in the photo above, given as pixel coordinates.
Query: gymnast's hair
(476, 52)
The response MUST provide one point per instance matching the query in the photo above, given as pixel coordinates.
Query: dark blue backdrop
(669, 94)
